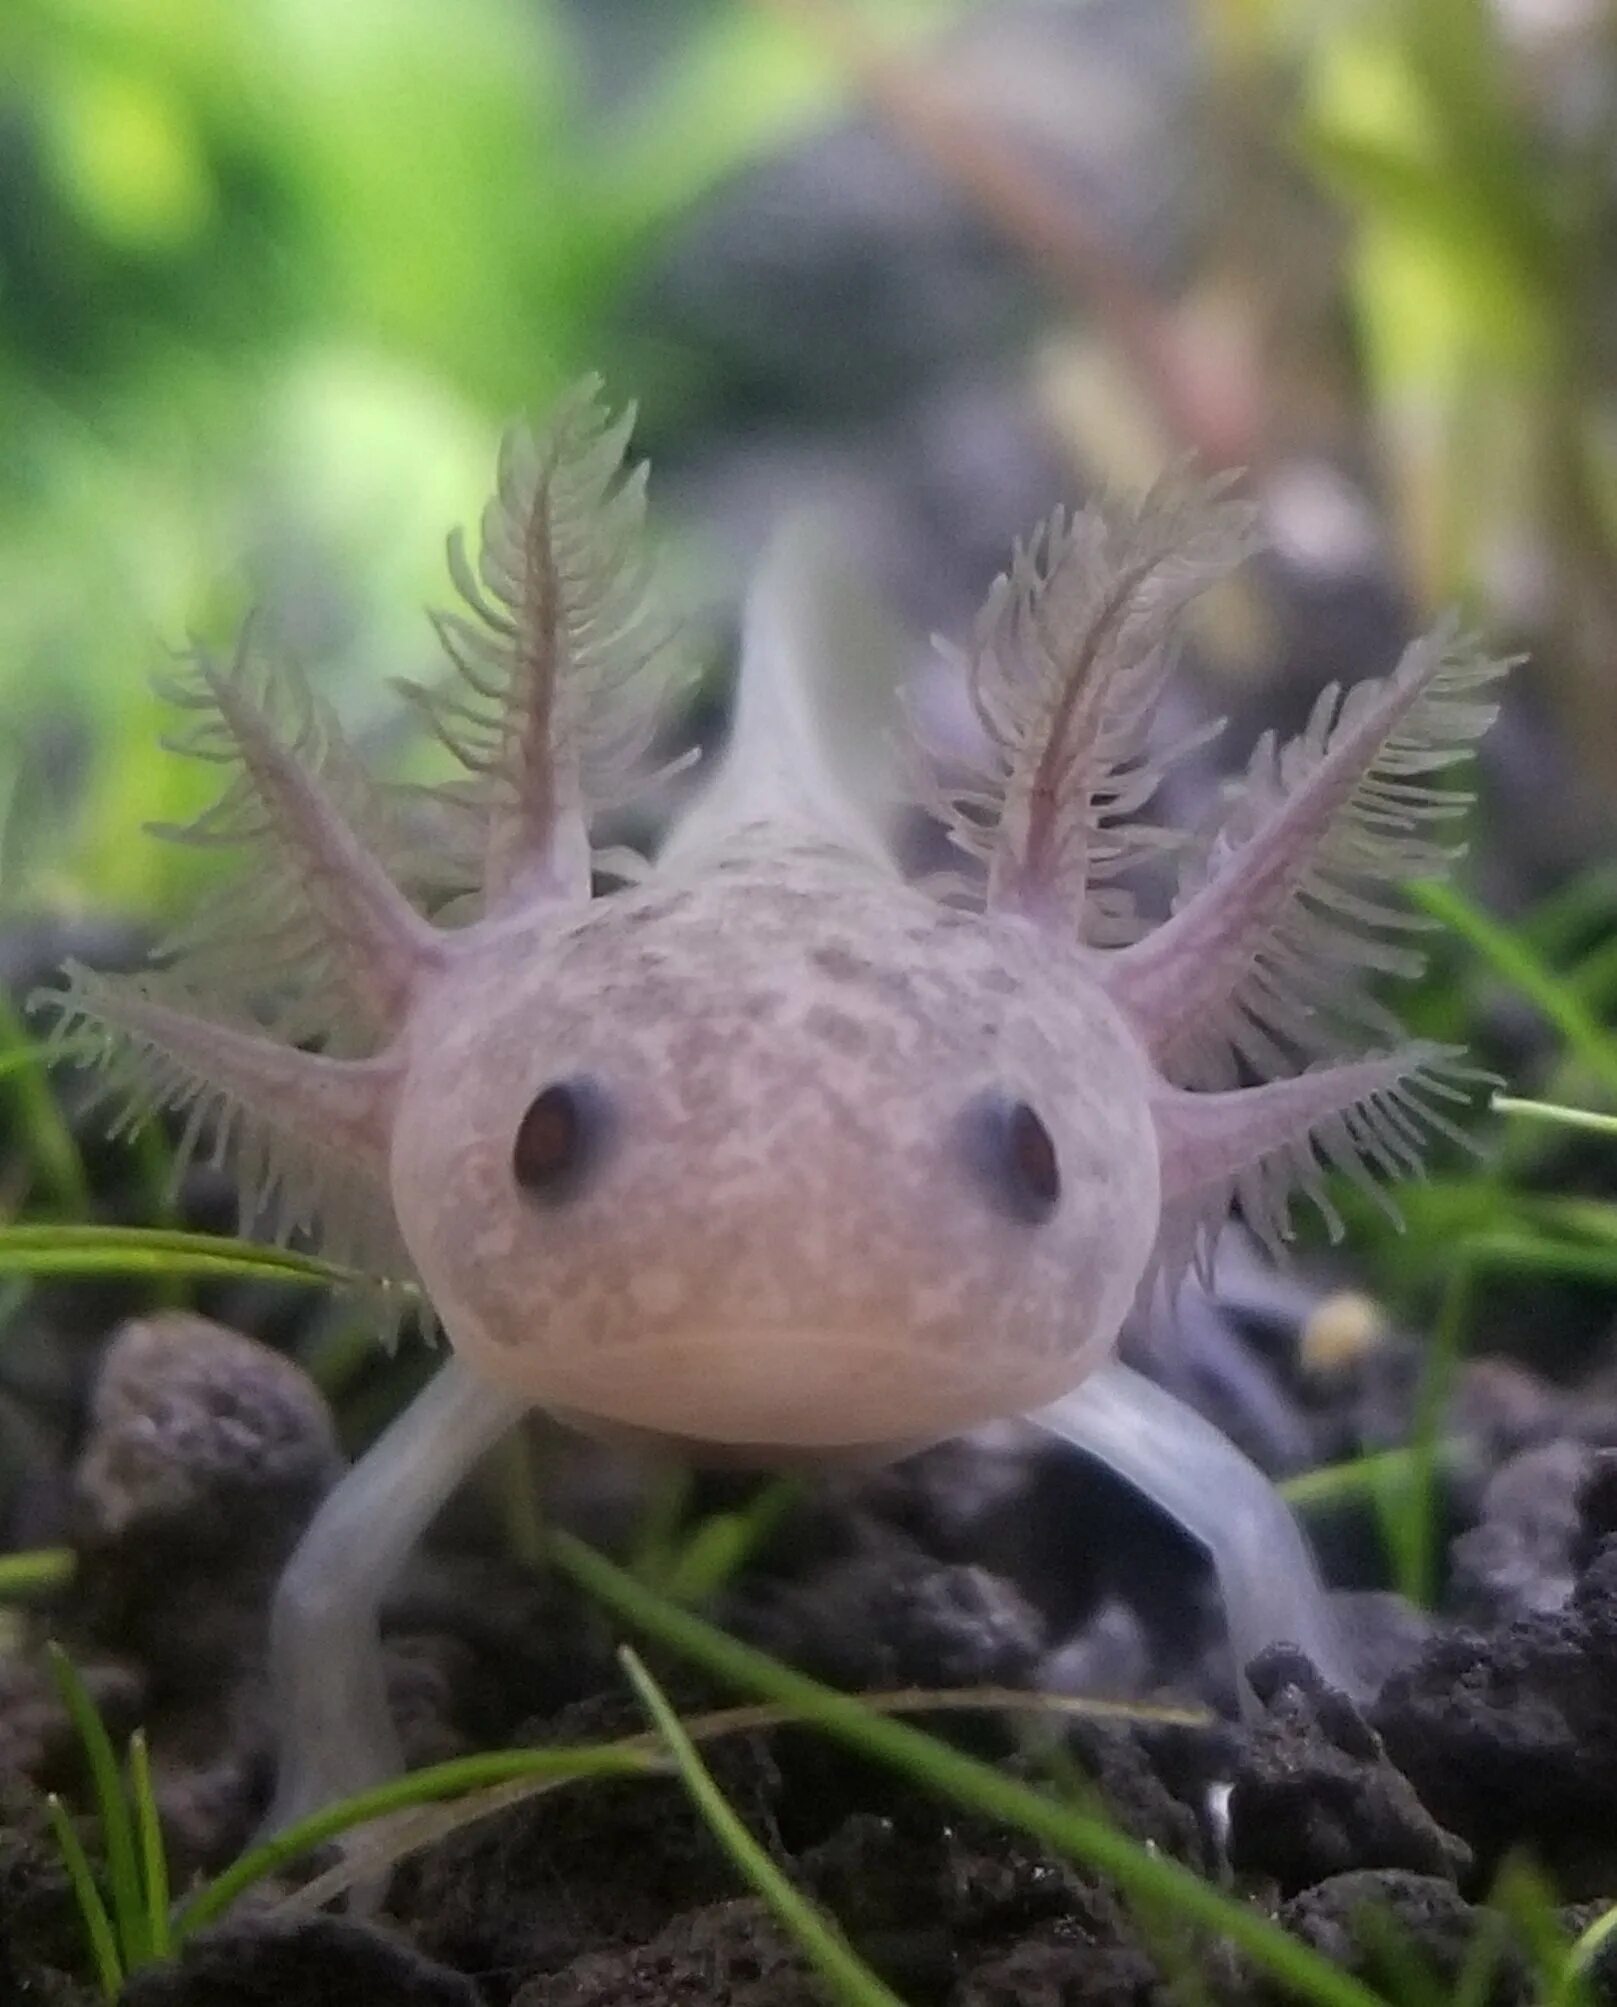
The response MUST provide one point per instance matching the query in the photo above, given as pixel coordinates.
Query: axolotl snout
(774, 1153)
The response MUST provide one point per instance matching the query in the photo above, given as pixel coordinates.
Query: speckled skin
(783, 1243)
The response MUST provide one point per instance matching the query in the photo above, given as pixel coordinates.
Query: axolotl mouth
(771, 1396)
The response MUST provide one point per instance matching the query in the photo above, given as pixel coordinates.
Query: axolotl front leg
(1267, 1582)
(327, 1681)
(327, 1684)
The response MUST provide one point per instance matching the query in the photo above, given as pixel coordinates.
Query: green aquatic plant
(131, 1929)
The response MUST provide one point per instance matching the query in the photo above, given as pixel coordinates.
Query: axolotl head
(773, 1154)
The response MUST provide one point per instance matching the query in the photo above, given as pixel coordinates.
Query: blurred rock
(41, 1930)
(1368, 1924)
(34, 947)
(1109, 1656)
(837, 276)
(1510, 1738)
(1597, 1505)
(1314, 1794)
(733, 1952)
(202, 1436)
(891, 1617)
(1385, 1632)
(313, 1961)
(205, 1455)
(1518, 1559)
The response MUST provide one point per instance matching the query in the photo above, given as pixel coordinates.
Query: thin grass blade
(93, 1911)
(816, 1936)
(1511, 957)
(153, 1858)
(1408, 1503)
(49, 1249)
(420, 1787)
(112, 1807)
(719, 1548)
(1552, 1112)
(36, 1572)
(1581, 1957)
(55, 1155)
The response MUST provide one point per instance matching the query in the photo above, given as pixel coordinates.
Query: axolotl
(772, 1151)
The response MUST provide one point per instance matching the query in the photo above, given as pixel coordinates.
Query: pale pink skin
(785, 1251)
(809, 1264)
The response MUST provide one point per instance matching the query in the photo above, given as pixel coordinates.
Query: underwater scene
(808, 1003)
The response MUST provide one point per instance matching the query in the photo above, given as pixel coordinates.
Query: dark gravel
(1484, 1741)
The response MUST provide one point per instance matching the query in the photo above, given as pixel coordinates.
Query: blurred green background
(271, 276)
(273, 272)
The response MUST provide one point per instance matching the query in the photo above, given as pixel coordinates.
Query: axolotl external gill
(773, 1153)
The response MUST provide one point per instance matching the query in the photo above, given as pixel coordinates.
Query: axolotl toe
(773, 1153)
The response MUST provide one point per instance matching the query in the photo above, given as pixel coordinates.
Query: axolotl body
(772, 1153)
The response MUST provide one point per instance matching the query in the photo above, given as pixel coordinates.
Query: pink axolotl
(771, 1153)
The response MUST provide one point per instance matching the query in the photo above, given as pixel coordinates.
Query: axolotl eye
(1012, 1155)
(559, 1139)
